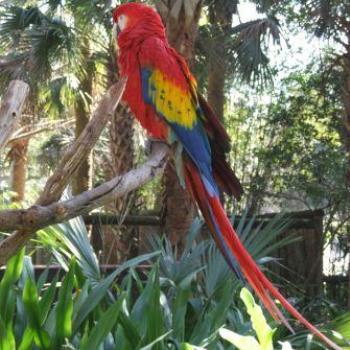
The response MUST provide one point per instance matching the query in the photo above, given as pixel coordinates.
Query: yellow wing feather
(174, 103)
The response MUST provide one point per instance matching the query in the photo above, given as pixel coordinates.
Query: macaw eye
(122, 21)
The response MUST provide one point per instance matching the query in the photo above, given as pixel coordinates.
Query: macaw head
(129, 16)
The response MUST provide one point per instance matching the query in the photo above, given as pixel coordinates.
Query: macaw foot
(150, 143)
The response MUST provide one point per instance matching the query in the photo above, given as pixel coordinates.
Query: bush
(174, 303)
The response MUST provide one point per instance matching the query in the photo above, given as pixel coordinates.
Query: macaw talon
(150, 143)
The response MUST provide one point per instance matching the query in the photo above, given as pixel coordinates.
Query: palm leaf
(52, 43)
(244, 48)
(251, 63)
(15, 20)
(180, 270)
(68, 240)
(261, 239)
(51, 96)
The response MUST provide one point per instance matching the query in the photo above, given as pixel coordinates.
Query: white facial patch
(122, 22)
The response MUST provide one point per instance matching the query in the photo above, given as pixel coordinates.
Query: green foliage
(297, 138)
(251, 49)
(52, 314)
(54, 46)
(265, 335)
(323, 18)
(241, 49)
(308, 119)
(35, 322)
(260, 326)
(263, 238)
(177, 303)
(7, 300)
(103, 327)
(262, 329)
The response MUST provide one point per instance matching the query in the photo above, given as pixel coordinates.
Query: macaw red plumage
(162, 94)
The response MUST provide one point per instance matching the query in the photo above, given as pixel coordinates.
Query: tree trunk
(11, 109)
(346, 101)
(121, 243)
(178, 208)
(10, 117)
(83, 178)
(18, 153)
(18, 157)
(122, 145)
(122, 148)
(220, 17)
(216, 84)
(181, 24)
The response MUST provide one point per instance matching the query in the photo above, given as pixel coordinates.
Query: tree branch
(38, 216)
(11, 109)
(67, 166)
(82, 146)
(47, 127)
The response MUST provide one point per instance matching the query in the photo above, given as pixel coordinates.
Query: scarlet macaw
(162, 93)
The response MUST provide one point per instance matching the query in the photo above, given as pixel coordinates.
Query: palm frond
(90, 12)
(15, 20)
(261, 239)
(217, 273)
(244, 50)
(58, 95)
(251, 63)
(51, 43)
(52, 96)
(180, 270)
(70, 240)
(38, 44)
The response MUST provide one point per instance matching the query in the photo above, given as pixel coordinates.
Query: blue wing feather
(194, 139)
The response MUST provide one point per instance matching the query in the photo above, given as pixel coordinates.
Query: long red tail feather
(217, 220)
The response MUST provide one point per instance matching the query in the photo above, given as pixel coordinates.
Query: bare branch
(82, 146)
(47, 127)
(11, 109)
(66, 168)
(30, 220)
